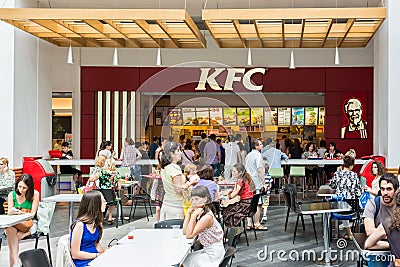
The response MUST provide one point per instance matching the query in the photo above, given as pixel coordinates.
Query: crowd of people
(189, 190)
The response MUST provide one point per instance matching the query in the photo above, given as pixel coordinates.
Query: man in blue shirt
(273, 157)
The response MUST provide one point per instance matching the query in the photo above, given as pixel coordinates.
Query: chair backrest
(297, 171)
(276, 172)
(293, 197)
(230, 251)
(64, 258)
(253, 205)
(169, 223)
(44, 215)
(286, 192)
(233, 236)
(34, 258)
(123, 171)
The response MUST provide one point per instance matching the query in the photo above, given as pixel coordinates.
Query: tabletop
(10, 220)
(149, 247)
(320, 162)
(325, 192)
(129, 183)
(90, 162)
(324, 207)
(64, 198)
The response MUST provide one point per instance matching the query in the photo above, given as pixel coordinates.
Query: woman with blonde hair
(107, 179)
(7, 179)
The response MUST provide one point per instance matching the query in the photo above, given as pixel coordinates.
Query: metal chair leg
(254, 228)
(295, 228)
(315, 232)
(302, 222)
(287, 218)
(244, 230)
(49, 249)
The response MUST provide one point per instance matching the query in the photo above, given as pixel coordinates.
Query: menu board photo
(243, 116)
(175, 116)
(216, 116)
(284, 116)
(297, 116)
(321, 117)
(203, 116)
(161, 115)
(311, 116)
(229, 116)
(270, 116)
(189, 116)
(257, 115)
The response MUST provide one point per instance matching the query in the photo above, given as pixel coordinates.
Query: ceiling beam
(162, 26)
(349, 24)
(258, 34)
(145, 27)
(130, 42)
(327, 33)
(236, 24)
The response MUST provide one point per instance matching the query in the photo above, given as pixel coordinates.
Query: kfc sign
(232, 75)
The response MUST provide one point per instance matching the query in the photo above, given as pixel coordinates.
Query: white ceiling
(194, 7)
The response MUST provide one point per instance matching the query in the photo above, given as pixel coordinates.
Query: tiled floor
(274, 239)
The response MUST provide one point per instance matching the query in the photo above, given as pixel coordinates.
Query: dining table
(325, 208)
(71, 198)
(326, 191)
(147, 247)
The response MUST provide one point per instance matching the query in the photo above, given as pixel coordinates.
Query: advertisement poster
(161, 115)
(175, 116)
(203, 116)
(257, 115)
(243, 116)
(310, 132)
(284, 116)
(354, 116)
(321, 116)
(297, 116)
(311, 116)
(216, 116)
(229, 116)
(270, 116)
(189, 116)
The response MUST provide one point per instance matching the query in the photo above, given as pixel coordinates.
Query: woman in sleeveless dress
(24, 199)
(87, 229)
(200, 221)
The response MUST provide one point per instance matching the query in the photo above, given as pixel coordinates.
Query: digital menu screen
(297, 116)
(284, 116)
(229, 116)
(257, 115)
(216, 116)
(270, 116)
(311, 116)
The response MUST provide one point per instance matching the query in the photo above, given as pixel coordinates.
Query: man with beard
(357, 128)
(388, 185)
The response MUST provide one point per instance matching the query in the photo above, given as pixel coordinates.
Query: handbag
(87, 188)
(24, 226)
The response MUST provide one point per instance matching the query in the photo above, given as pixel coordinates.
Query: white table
(150, 247)
(10, 220)
(326, 191)
(71, 198)
(90, 162)
(303, 162)
(325, 208)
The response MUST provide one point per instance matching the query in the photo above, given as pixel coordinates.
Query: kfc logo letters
(233, 75)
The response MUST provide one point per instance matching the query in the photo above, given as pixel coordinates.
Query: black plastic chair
(34, 258)
(252, 211)
(145, 198)
(290, 193)
(112, 198)
(230, 252)
(167, 224)
(232, 236)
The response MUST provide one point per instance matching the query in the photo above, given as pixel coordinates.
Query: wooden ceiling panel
(295, 27)
(145, 28)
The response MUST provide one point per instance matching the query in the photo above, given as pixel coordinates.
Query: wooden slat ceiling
(134, 28)
(294, 27)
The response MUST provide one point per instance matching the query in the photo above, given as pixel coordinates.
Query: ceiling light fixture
(115, 57)
(70, 58)
(292, 64)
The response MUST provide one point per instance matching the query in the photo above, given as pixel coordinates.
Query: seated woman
(377, 170)
(391, 229)
(201, 222)
(7, 179)
(347, 185)
(108, 181)
(24, 199)
(244, 188)
(87, 229)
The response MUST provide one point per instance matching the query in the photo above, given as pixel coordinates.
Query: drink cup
(131, 233)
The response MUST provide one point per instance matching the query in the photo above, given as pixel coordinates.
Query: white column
(387, 81)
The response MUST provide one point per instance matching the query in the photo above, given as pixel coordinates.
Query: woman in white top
(173, 181)
(200, 221)
(377, 170)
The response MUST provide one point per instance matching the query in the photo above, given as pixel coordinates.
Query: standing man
(222, 161)
(212, 154)
(153, 147)
(232, 155)
(256, 168)
(273, 157)
(204, 141)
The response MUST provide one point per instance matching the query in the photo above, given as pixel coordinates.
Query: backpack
(377, 201)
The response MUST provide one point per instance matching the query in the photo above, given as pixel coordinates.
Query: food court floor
(274, 239)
